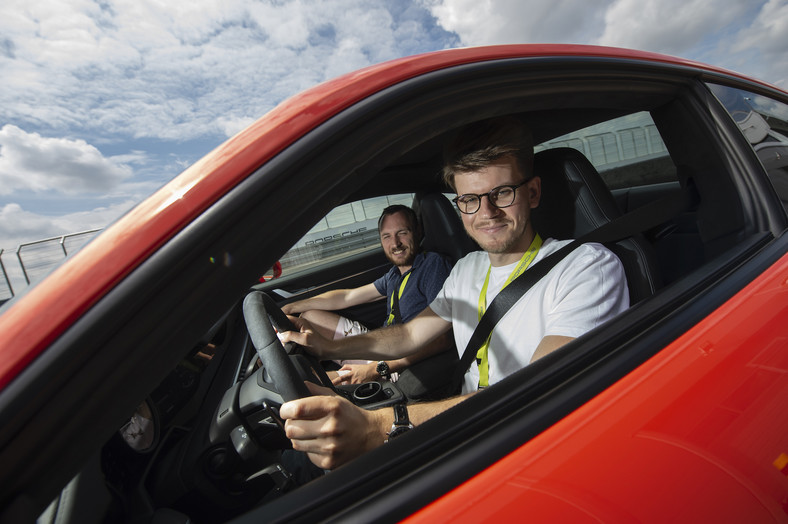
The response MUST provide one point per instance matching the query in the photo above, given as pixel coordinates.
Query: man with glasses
(409, 286)
(490, 166)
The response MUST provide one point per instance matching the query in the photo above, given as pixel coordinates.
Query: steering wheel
(262, 317)
(256, 307)
(247, 416)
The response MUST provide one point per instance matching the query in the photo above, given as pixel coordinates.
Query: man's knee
(325, 322)
(312, 315)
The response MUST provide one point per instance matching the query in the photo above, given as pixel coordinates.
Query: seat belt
(641, 219)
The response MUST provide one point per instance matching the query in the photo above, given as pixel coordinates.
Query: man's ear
(534, 188)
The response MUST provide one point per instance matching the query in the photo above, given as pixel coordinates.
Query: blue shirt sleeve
(424, 285)
(380, 284)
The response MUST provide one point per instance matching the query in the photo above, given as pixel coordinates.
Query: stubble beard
(503, 246)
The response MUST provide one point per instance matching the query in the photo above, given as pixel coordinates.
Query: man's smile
(491, 228)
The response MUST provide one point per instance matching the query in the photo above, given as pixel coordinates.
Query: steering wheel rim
(281, 322)
(277, 316)
(256, 308)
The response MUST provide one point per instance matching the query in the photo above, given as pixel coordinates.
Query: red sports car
(130, 392)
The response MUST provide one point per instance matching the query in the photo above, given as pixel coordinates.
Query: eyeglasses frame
(513, 187)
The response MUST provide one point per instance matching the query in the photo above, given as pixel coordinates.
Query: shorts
(349, 328)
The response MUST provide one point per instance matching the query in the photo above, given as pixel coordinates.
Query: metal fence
(36, 259)
(6, 289)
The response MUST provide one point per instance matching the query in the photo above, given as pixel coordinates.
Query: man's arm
(332, 431)
(360, 373)
(334, 300)
(441, 343)
(549, 344)
(394, 342)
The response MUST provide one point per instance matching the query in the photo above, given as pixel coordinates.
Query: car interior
(205, 442)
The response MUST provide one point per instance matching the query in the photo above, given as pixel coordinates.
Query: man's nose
(486, 208)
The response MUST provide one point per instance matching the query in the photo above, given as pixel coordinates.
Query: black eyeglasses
(501, 196)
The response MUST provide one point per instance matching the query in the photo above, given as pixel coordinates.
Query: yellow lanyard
(390, 320)
(525, 261)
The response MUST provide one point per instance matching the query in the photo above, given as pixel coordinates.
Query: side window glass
(627, 151)
(764, 123)
(347, 230)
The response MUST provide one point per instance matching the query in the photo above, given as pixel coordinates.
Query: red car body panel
(38, 318)
(735, 360)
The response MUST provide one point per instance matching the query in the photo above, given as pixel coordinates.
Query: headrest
(574, 200)
(443, 230)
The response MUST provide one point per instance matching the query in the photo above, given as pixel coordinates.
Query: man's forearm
(390, 343)
(441, 343)
(418, 413)
(328, 301)
(335, 299)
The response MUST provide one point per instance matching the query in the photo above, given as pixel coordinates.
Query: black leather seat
(443, 230)
(575, 200)
(445, 235)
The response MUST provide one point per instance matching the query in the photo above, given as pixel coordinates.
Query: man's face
(500, 231)
(399, 242)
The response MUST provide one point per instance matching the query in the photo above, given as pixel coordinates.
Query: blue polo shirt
(426, 279)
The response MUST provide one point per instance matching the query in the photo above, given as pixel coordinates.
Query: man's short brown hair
(482, 143)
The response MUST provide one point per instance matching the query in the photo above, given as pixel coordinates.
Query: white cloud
(520, 22)
(750, 37)
(159, 83)
(766, 41)
(182, 70)
(668, 26)
(31, 162)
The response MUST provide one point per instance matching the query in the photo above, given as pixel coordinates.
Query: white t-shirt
(583, 290)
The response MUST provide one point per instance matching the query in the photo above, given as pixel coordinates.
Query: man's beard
(499, 246)
(407, 261)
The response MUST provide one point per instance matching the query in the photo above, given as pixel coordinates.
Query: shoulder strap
(395, 314)
(636, 221)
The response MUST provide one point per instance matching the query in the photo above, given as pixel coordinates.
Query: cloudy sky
(103, 101)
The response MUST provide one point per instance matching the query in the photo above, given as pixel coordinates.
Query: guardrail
(6, 289)
(36, 259)
(39, 257)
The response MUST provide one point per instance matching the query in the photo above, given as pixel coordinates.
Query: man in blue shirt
(409, 287)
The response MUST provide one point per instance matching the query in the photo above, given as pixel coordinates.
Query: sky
(104, 101)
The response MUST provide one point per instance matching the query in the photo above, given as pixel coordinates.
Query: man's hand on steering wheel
(331, 430)
(309, 338)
